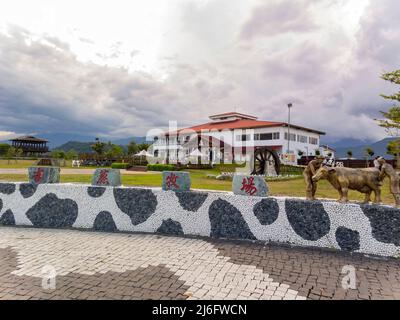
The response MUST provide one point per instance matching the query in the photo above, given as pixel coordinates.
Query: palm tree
(368, 153)
(349, 154)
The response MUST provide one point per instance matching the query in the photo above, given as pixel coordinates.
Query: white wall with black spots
(368, 229)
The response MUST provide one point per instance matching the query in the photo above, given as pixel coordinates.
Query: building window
(292, 136)
(243, 137)
(313, 141)
(266, 136)
(302, 139)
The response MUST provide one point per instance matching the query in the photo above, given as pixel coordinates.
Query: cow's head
(323, 173)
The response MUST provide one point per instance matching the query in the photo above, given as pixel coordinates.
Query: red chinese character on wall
(171, 181)
(248, 186)
(103, 177)
(38, 175)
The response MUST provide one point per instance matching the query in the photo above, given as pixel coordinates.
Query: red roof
(241, 124)
(230, 114)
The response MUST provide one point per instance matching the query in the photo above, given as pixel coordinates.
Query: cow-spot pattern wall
(369, 229)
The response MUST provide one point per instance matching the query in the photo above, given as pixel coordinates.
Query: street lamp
(290, 105)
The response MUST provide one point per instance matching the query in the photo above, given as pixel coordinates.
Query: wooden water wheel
(265, 162)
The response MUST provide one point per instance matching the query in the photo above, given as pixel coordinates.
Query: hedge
(117, 165)
(161, 167)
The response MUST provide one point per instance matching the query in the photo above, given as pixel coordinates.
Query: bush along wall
(117, 165)
(161, 167)
(368, 229)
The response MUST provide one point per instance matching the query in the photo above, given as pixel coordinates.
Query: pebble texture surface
(369, 229)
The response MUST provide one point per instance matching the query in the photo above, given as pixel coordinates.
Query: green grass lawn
(295, 187)
(22, 164)
(19, 164)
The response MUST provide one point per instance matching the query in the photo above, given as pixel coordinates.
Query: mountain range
(85, 147)
(358, 149)
(82, 144)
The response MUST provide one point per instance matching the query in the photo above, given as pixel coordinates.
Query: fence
(349, 163)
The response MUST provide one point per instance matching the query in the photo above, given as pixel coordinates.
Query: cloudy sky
(119, 68)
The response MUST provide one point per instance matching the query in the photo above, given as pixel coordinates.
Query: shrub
(288, 170)
(161, 167)
(117, 165)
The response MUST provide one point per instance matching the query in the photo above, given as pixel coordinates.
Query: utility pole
(288, 148)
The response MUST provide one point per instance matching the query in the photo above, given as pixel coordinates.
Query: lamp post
(289, 107)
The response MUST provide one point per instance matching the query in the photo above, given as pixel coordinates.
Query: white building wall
(229, 137)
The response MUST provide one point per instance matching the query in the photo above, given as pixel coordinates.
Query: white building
(327, 151)
(234, 136)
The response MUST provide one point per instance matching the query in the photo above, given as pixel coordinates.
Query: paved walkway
(71, 171)
(91, 265)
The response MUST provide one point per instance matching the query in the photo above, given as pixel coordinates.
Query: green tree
(4, 148)
(71, 154)
(114, 151)
(99, 147)
(391, 121)
(393, 148)
(143, 146)
(58, 154)
(368, 153)
(300, 153)
(18, 153)
(317, 152)
(11, 152)
(133, 148)
(349, 154)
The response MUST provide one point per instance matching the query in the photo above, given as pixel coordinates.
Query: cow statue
(345, 179)
(76, 163)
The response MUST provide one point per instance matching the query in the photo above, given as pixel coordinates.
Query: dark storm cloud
(45, 88)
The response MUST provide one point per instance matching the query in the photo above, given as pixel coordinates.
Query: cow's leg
(340, 195)
(397, 199)
(345, 194)
(309, 186)
(314, 189)
(378, 198)
(367, 198)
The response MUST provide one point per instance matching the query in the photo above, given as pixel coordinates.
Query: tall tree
(99, 147)
(71, 154)
(132, 148)
(143, 146)
(393, 148)
(11, 153)
(368, 153)
(392, 117)
(114, 151)
(4, 148)
(350, 154)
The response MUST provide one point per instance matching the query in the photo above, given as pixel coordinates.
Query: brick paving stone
(95, 266)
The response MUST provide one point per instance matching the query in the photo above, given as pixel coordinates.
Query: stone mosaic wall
(366, 229)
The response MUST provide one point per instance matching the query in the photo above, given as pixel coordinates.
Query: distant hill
(344, 143)
(359, 150)
(80, 147)
(85, 147)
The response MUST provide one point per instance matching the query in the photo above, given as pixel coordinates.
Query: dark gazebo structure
(30, 145)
